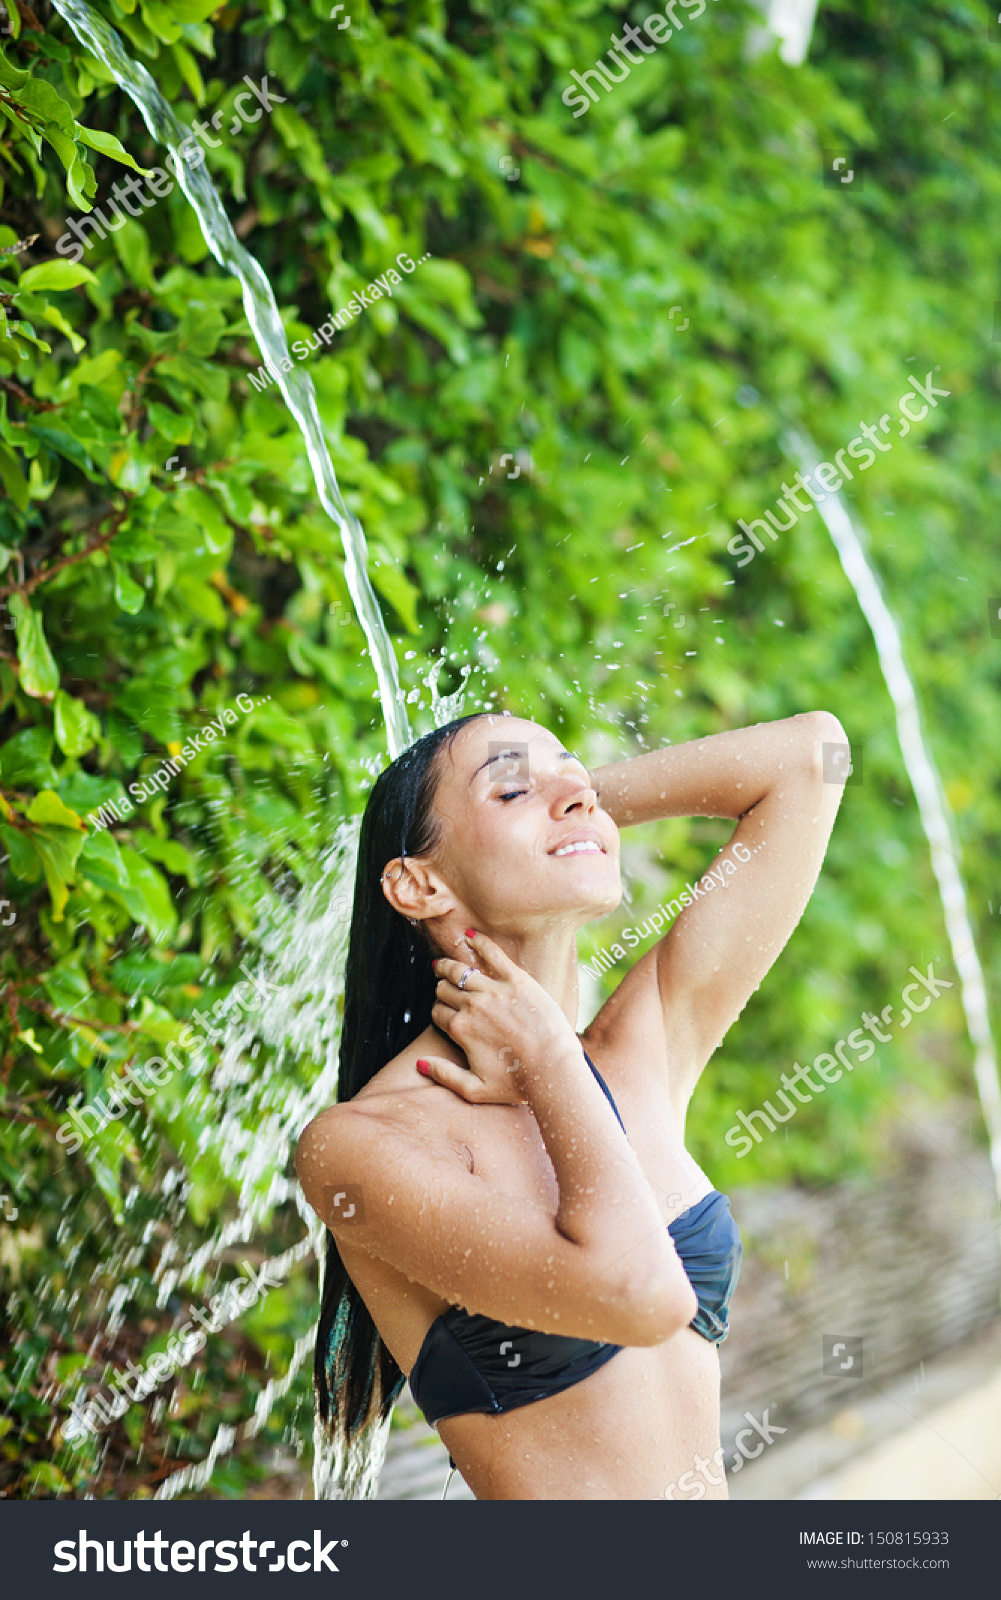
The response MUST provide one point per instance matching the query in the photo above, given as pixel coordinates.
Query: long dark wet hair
(389, 990)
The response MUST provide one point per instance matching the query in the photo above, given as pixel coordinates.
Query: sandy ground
(934, 1434)
(953, 1453)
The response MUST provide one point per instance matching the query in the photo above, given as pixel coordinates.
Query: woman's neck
(549, 956)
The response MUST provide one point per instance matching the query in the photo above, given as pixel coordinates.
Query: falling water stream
(933, 807)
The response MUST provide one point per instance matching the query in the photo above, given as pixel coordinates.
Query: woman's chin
(600, 904)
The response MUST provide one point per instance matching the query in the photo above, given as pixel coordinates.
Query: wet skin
(460, 1170)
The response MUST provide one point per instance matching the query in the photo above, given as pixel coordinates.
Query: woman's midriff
(627, 1432)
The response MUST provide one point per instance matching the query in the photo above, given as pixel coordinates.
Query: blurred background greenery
(630, 307)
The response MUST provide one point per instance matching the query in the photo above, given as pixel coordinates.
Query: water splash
(445, 707)
(262, 314)
(199, 1474)
(933, 807)
(251, 1111)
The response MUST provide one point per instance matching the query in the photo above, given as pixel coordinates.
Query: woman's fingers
(443, 1016)
(486, 958)
(452, 971)
(459, 1079)
(489, 955)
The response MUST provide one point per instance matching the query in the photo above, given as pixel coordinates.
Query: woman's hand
(504, 1022)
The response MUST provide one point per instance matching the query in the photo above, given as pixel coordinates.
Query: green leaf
(108, 145)
(39, 674)
(147, 896)
(132, 248)
(81, 184)
(159, 20)
(58, 843)
(48, 810)
(397, 589)
(203, 600)
(24, 760)
(67, 986)
(64, 146)
(206, 379)
(46, 1475)
(39, 96)
(101, 861)
(129, 596)
(104, 1153)
(12, 478)
(55, 318)
(24, 859)
(11, 77)
(193, 10)
(55, 275)
(76, 728)
(169, 853)
(169, 424)
(65, 445)
(187, 66)
(200, 329)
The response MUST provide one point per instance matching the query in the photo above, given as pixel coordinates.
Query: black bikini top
(469, 1362)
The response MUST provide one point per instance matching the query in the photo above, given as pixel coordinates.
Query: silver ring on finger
(465, 977)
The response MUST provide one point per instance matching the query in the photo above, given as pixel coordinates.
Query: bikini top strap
(606, 1091)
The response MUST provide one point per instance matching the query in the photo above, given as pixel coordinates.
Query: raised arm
(772, 777)
(603, 1267)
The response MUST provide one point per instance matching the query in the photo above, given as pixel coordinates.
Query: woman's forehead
(494, 739)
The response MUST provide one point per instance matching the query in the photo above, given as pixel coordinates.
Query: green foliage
(590, 589)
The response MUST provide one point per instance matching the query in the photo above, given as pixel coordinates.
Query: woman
(515, 1222)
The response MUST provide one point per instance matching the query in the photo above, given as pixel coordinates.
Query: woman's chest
(504, 1146)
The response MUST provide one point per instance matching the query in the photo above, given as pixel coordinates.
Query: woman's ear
(415, 890)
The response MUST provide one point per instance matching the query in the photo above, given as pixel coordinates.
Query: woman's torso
(635, 1425)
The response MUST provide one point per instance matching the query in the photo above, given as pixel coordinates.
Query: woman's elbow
(824, 726)
(659, 1310)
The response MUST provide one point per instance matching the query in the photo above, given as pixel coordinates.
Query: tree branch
(97, 541)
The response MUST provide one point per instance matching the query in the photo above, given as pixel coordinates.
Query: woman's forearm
(606, 1204)
(723, 775)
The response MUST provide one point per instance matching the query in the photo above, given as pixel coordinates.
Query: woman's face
(522, 834)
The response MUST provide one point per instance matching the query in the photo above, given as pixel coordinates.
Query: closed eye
(512, 794)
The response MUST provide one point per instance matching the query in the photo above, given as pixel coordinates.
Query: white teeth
(578, 848)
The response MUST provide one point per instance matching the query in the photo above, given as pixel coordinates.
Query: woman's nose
(577, 796)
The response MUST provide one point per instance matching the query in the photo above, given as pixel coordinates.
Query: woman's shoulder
(394, 1098)
(393, 1118)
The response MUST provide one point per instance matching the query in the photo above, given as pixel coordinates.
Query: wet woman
(515, 1222)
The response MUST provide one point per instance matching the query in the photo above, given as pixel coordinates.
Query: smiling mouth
(579, 847)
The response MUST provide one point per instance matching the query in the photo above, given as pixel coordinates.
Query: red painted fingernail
(471, 933)
(423, 1067)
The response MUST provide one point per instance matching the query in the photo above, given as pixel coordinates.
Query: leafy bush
(548, 430)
